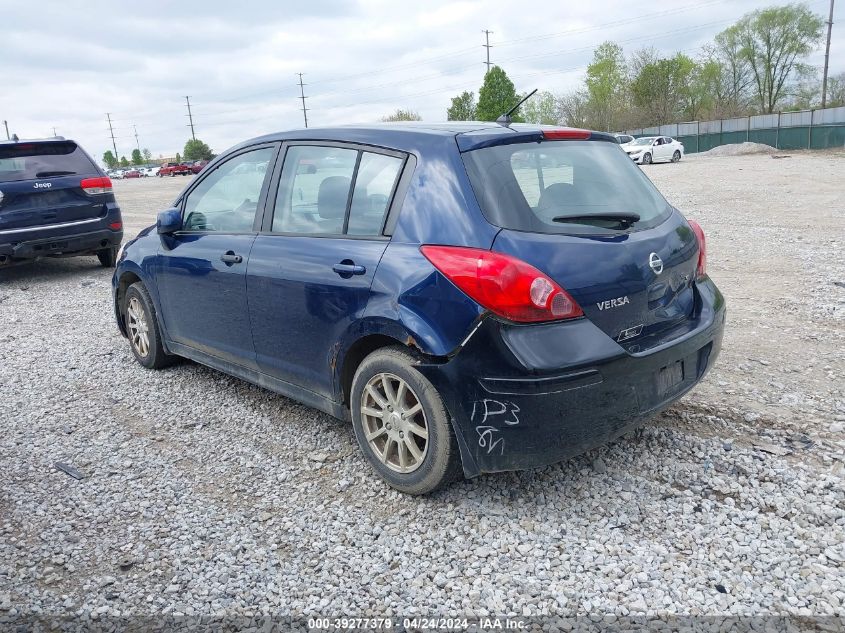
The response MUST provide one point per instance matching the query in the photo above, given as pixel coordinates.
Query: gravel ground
(198, 497)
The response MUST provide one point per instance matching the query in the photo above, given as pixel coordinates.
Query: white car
(149, 171)
(654, 149)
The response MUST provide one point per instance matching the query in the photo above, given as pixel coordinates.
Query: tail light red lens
(701, 270)
(505, 285)
(96, 185)
(116, 226)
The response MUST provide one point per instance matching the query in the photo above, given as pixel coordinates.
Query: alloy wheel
(138, 328)
(394, 423)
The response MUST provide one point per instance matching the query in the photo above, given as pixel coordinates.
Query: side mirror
(169, 221)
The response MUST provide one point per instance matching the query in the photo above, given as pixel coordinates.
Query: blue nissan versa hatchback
(474, 297)
(55, 201)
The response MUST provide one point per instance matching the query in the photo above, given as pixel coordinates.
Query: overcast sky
(65, 64)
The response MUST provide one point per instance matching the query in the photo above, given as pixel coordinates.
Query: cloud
(66, 66)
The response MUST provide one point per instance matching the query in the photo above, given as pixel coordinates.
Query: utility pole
(487, 46)
(54, 132)
(302, 96)
(6, 124)
(190, 118)
(827, 55)
(137, 144)
(111, 131)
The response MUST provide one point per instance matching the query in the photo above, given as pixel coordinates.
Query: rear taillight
(96, 185)
(701, 269)
(116, 226)
(566, 133)
(503, 284)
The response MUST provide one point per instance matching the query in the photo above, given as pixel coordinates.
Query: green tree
(704, 83)
(662, 88)
(607, 84)
(402, 115)
(148, 155)
(775, 42)
(836, 90)
(462, 108)
(109, 159)
(542, 109)
(574, 109)
(497, 96)
(124, 162)
(195, 149)
(137, 159)
(732, 93)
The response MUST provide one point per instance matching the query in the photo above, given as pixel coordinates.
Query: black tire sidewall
(439, 465)
(676, 156)
(647, 162)
(157, 357)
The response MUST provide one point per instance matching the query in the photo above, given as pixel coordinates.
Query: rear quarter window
(31, 161)
(526, 186)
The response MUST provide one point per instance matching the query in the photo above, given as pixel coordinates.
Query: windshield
(28, 161)
(647, 140)
(537, 186)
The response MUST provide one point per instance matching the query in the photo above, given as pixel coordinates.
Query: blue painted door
(201, 272)
(309, 275)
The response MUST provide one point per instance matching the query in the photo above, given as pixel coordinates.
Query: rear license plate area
(670, 377)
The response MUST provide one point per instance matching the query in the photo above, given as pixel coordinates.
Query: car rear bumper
(64, 243)
(531, 395)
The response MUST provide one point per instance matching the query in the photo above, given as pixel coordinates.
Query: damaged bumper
(523, 396)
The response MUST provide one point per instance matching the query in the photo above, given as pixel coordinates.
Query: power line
(111, 131)
(190, 118)
(827, 55)
(487, 46)
(302, 96)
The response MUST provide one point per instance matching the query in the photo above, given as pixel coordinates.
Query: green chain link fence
(806, 129)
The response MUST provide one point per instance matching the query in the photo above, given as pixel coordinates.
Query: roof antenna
(15, 138)
(505, 120)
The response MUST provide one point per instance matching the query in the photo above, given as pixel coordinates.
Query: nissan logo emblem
(655, 263)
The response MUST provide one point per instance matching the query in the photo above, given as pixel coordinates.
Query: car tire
(416, 454)
(108, 257)
(676, 156)
(144, 335)
(647, 159)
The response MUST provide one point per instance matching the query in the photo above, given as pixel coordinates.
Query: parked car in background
(174, 169)
(623, 139)
(116, 174)
(197, 166)
(546, 301)
(149, 171)
(132, 173)
(55, 201)
(655, 149)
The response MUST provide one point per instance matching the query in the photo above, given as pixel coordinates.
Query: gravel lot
(198, 497)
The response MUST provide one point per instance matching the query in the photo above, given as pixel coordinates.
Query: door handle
(345, 269)
(229, 257)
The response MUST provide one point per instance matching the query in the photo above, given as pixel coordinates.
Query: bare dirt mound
(739, 149)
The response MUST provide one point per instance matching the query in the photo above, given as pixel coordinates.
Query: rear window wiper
(624, 218)
(47, 174)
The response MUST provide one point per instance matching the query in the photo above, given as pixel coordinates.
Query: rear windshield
(535, 186)
(28, 161)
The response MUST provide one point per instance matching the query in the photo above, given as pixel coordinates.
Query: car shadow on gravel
(53, 269)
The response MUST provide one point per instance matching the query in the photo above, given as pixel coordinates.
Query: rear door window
(334, 191)
(535, 186)
(31, 161)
